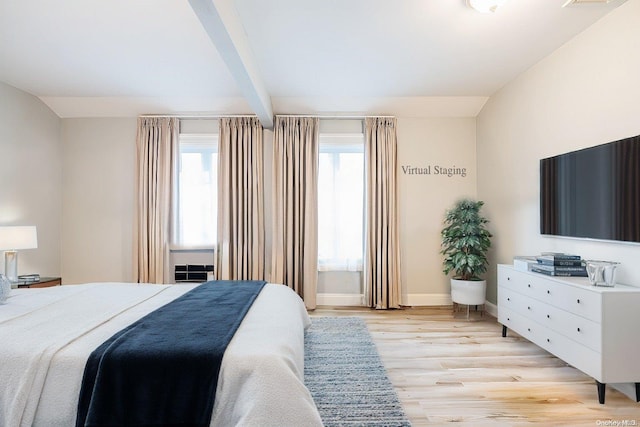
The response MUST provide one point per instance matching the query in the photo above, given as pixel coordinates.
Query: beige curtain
(295, 198)
(240, 248)
(157, 147)
(382, 247)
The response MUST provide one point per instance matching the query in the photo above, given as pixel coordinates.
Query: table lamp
(13, 238)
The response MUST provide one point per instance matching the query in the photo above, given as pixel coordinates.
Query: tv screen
(593, 193)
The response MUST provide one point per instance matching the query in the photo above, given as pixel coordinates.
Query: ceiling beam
(221, 22)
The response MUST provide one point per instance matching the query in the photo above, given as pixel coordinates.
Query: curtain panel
(157, 154)
(241, 245)
(382, 245)
(295, 199)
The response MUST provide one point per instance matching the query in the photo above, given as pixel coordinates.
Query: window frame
(338, 143)
(195, 143)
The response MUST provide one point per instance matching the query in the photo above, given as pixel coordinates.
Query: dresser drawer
(524, 326)
(573, 299)
(578, 355)
(518, 281)
(577, 300)
(580, 329)
(572, 326)
(519, 303)
(585, 359)
(533, 285)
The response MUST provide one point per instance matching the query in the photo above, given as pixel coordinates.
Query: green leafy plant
(465, 241)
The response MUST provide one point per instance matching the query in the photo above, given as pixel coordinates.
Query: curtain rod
(199, 116)
(320, 116)
(219, 116)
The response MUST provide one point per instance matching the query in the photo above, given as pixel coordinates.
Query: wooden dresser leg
(601, 390)
(504, 331)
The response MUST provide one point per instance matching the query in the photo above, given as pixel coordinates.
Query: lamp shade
(18, 237)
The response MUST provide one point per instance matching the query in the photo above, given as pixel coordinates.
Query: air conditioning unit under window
(193, 273)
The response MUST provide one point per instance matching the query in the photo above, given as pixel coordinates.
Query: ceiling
(94, 58)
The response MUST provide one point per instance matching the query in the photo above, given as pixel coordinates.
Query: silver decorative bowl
(602, 273)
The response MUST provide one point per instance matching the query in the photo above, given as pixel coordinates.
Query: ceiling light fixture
(485, 6)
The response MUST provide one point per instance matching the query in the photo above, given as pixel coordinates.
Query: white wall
(30, 176)
(584, 94)
(98, 199)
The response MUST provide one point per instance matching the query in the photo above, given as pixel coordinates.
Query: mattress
(47, 335)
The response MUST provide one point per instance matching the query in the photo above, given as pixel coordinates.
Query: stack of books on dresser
(559, 264)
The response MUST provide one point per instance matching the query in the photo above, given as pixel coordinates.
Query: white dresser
(595, 329)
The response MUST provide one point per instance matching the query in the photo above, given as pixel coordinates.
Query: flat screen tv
(593, 193)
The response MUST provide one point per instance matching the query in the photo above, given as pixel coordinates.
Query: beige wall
(584, 94)
(99, 159)
(434, 142)
(74, 179)
(98, 199)
(424, 198)
(30, 177)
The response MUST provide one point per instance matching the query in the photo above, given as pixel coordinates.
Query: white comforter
(46, 336)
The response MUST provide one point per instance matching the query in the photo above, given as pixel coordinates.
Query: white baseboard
(491, 308)
(408, 300)
(426, 299)
(349, 300)
(416, 300)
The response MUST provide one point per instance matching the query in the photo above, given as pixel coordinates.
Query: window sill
(193, 248)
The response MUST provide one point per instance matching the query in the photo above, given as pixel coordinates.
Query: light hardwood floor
(450, 369)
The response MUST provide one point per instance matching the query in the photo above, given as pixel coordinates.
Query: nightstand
(44, 282)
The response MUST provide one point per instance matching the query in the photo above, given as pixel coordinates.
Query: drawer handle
(548, 316)
(578, 329)
(508, 318)
(578, 300)
(548, 340)
(528, 308)
(508, 299)
(528, 285)
(548, 291)
(529, 329)
(508, 278)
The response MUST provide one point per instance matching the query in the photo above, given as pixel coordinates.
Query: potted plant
(465, 242)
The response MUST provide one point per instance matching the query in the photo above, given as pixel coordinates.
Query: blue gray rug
(346, 377)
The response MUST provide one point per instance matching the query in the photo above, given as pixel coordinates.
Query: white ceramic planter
(469, 292)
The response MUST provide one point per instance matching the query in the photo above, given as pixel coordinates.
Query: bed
(47, 335)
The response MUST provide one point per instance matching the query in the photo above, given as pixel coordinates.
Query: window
(197, 191)
(341, 202)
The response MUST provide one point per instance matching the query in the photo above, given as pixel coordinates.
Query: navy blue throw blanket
(163, 369)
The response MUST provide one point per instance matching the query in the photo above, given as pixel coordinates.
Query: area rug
(346, 377)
